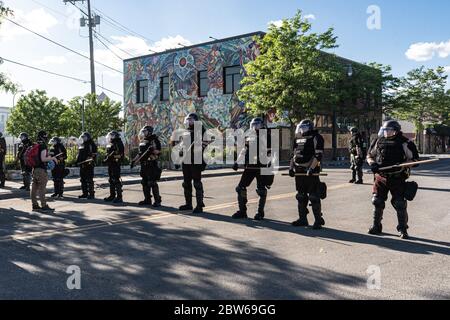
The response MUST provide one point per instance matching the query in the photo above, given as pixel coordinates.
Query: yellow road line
(158, 215)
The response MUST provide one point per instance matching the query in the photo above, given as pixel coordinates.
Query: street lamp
(14, 96)
(350, 73)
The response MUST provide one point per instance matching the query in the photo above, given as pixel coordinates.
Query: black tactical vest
(146, 145)
(390, 152)
(304, 150)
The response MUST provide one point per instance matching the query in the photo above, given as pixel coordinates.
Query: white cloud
(310, 17)
(37, 20)
(49, 60)
(276, 23)
(425, 51)
(170, 43)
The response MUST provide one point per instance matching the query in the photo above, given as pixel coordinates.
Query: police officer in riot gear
(192, 171)
(24, 144)
(58, 150)
(254, 167)
(390, 149)
(2, 160)
(115, 153)
(356, 145)
(87, 154)
(149, 153)
(308, 153)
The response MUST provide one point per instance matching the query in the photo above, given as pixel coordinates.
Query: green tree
(421, 98)
(34, 112)
(292, 74)
(5, 84)
(100, 117)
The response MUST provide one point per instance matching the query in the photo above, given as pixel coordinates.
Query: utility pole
(91, 22)
(82, 115)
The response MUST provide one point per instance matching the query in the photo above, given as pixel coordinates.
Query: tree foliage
(100, 116)
(292, 74)
(34, 112)
(421, 97)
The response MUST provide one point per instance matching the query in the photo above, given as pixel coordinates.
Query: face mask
(387, 133)
(189, 123)
(142, 135)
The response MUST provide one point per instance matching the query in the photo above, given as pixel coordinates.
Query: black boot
(242, 201)
(199, 194)
(147, 196)
(156, 195)
(84, 190)
(112, 194)
(91, 190)
(302, 203)
(119, 194)
(353, 177)
(262, 193)
(377, 227)
(402, 228)
(318, 216)
(188, 198)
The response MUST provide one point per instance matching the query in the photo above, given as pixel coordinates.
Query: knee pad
(198, 185)
(301, 197)
(262, 192)
(241, 191)
(378, 202)
(399, 204)
(314, 198)
(187, 186)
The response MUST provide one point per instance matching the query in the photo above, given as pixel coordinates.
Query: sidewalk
(72, 184)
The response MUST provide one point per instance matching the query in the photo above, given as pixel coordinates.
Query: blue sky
(424, 25)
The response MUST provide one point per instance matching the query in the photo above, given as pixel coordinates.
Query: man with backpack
(37, 158)
(24, 144)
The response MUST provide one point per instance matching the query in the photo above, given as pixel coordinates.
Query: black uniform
(88, 150)
(115, 155)
(253, 170)
(58, 173)
(192, 172)
(386, 152)
(307, 149)
(356, 148)
(2, 161)
(26, 171)
(150, 170)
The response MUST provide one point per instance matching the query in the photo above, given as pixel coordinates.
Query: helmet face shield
(142, 134)
(53, 142)
(189, 122)
(302, 129)
(388, 132)
(257, 124)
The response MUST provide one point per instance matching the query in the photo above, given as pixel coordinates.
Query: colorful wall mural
(216, 110)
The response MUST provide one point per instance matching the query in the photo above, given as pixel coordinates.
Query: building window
(232, 79)
(164, 88)
(142, 91)
(203, 83)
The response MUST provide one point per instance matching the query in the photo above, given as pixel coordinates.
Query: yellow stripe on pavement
(158, 215)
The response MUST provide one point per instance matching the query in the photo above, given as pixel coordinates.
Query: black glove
(292, 173)
(235, 167)
(177, 167)
(309, 172)
(375, 167)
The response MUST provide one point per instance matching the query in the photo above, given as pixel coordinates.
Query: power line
(125, 28)
(56, 74)
(112, 44)
(60, 45)
(51, 9)
(106, 46)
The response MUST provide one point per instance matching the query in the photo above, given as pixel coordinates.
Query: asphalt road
(128, 252)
